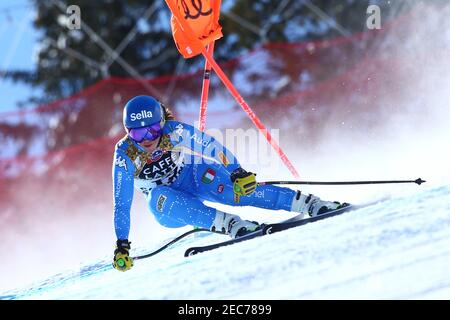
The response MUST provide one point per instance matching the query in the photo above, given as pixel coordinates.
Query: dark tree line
(139, 30)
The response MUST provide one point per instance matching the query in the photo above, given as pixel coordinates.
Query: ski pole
(418, 181)
(172, 242)
(121, 262)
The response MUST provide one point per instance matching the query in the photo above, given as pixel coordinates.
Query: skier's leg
(174, 208)
(213, 183)
(218, 187)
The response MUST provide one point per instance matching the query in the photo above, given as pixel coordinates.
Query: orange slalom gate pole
(249, 112)
(205, 90)
(187, 29)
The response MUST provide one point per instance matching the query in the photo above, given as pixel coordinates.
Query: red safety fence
(58, 158)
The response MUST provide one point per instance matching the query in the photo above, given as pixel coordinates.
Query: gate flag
(203, 18)
(193, 30)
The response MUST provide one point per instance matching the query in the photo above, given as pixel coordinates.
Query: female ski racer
(177, 167)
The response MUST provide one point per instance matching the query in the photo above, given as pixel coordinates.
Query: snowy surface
(396, 249)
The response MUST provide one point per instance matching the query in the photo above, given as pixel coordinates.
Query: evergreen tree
(70, 60)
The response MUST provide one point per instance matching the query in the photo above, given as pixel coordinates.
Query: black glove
(244, 183)
(122, 260)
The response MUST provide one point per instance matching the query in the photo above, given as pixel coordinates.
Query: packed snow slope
(398, 248)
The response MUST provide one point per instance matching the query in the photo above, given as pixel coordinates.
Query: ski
(275, 227)
(194, 250)
(272, 228)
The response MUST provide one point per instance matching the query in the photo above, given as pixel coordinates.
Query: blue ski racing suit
(187, 168)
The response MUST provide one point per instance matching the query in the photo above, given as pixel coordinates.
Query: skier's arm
(123, 181)
(183, 134)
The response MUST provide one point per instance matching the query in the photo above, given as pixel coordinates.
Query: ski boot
(233, 225)
(310, 205)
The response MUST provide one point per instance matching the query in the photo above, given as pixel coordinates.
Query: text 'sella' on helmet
(142, 111)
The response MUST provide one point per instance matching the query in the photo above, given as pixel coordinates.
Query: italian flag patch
(208, 176)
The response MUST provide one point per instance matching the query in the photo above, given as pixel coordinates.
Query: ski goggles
(151, 133)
